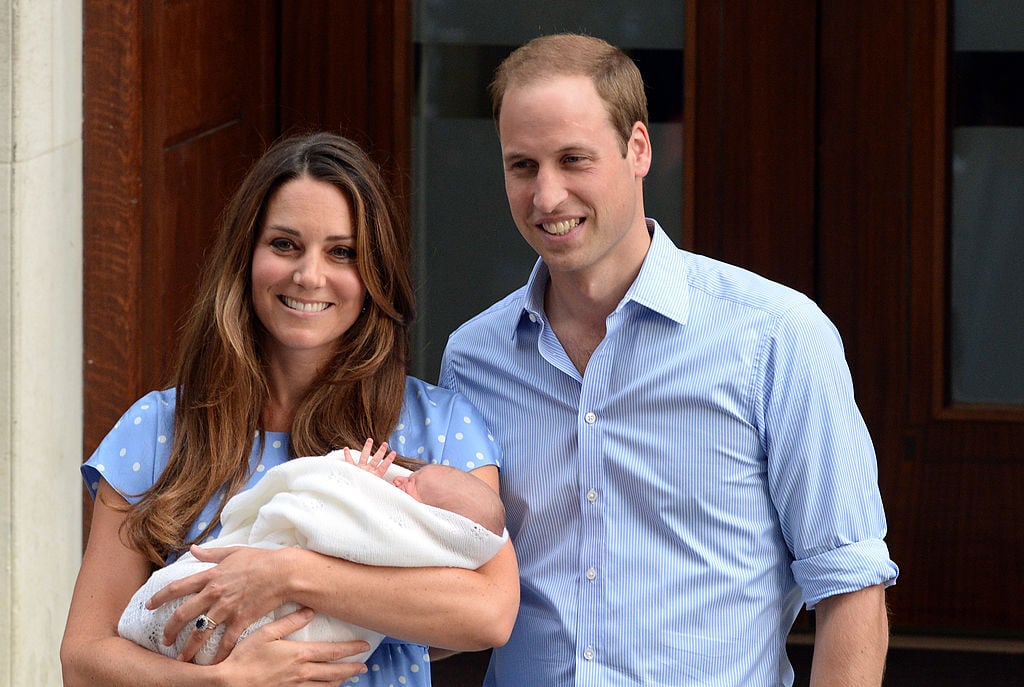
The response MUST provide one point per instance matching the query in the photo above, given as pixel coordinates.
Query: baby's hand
(378, 463)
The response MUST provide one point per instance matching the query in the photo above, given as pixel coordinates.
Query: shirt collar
(660, 286)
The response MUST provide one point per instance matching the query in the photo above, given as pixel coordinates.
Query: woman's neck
(289, 385)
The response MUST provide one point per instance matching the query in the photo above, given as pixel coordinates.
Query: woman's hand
(244, 585)
(266, 659)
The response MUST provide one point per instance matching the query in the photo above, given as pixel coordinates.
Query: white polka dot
(479, 455)
(95, 486)
(426, 422)
(401, 679)
(165, 403)
(458, 435)
(401, 438)
(421, 449)
(101, 467)
(136, 467)
(162, 439)
(375, 667)
(276, 444)
(467, 420)
(433, 403)
(145, 407)
(201, 526)
(261, 467)
(123, 452)
(491, 437)
(354, 680)
(470, 464)
(414, 668)
(138, 420)
(401, 426)
(446, 462)
(441, 438)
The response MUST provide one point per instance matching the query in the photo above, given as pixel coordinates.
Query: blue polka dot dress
(435, 425)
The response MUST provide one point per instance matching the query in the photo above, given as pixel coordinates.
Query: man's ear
(639, 146)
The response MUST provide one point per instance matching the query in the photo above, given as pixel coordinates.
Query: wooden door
(818, 157)
(180, 98)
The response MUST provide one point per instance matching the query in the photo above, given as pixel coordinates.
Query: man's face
(574, 196)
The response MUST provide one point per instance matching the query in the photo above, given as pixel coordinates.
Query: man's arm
(851, 639)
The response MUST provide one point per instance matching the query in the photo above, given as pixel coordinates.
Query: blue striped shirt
(673, 507)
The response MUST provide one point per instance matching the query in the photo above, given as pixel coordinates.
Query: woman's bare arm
(93, 654)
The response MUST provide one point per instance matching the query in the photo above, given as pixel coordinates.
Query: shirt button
(590, 418)
(533, 318)
(588, 653)
(591, 496)
(591, 574)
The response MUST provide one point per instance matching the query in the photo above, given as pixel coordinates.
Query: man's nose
(549, 190)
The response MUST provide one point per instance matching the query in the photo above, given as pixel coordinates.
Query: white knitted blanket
(324, 504)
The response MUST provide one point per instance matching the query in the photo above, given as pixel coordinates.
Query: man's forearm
(851, 639)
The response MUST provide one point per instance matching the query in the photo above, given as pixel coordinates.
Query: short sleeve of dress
(442, 426)
(136, 450)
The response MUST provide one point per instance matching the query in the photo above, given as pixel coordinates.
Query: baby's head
(451, 489)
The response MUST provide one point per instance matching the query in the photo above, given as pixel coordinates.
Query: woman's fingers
(329, 657)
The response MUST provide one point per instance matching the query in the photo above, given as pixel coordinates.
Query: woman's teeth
(303, 307)
(560, 228)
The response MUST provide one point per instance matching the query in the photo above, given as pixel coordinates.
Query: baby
(344, 507)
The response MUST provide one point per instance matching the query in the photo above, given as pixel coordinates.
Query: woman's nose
(310, 273)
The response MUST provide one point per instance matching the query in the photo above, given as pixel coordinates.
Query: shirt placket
(591, 587)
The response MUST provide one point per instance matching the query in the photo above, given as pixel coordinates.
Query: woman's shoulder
(434, 400)
(442, 426)
(136, 448)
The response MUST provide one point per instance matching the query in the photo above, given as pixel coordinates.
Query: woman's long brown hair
(220, 379)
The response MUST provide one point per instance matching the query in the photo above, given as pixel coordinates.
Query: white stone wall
(40, 331)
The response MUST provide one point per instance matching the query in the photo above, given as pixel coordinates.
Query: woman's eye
(282, 244)
(344, 253)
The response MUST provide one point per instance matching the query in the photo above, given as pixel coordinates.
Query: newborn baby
(437, 516)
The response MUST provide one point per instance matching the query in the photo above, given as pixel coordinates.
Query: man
(684, 463)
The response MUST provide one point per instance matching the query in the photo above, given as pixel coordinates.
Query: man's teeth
(559, 228)
(303, 307)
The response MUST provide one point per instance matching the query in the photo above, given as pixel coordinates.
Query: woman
(296, 345)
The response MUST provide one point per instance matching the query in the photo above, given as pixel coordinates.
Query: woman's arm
(93, 654)
(453, 608)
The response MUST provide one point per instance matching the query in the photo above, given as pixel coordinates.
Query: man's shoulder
(740, 286)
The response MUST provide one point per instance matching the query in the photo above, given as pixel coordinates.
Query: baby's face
(422, 483)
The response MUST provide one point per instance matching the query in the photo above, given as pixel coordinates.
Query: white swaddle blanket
(328, 505)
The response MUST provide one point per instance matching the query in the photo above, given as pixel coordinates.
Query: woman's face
(306, 287)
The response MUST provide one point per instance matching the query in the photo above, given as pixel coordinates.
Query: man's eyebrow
(567, 149)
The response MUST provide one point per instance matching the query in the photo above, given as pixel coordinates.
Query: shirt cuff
(847, 569)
